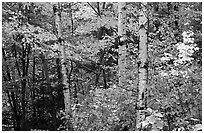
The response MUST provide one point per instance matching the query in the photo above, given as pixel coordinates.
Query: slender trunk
(59, 74)
(23, 87)
(98, 8)
(64, 80)
(104, 5)
(17, 65)
(100, 34)
(122, 45)
(142, 67)
(13, 95)
(70, 83)
(97, 76)
(71, 17)
(53, 111)
(108, 76)
(71, 62)
(99, 38)
(25, 60)
(180, 100)
(104, 79)
(18, 70)
(33, 90)
(100, 69)
(12, 100)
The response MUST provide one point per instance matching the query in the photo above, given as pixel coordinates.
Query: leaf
(149, 110)
(154, 128)
(198, 127)
(82, 115)
(144, 124)
(151, 119)
(158, 115)
(193, 119)
(139, 125)
(159, 124)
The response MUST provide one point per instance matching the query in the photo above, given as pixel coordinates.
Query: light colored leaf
(154, 128)
(151, 119)
(158, 115)
(198, 127)
(159, 124)
(144, 124)
(149, 110)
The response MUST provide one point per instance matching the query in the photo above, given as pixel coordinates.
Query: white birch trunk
(142, 67)
(66, 91)
(122, 49)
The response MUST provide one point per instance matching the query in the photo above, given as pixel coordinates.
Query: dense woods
(102, 66)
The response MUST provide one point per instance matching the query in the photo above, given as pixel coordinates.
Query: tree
(122, 43)
(45, 69)
(142, 66)
(64, 81)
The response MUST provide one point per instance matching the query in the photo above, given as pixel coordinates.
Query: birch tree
(142, 66)
(66, 91)
(122, 46)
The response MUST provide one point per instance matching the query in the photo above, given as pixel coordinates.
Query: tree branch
(93, 9)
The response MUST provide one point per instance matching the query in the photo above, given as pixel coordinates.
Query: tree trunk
(23, 86)
(33, 89)
(100, 68)
(100, 31)
(45, 69)
(64, 80)
(104, 79)
(142, 67)
(122, 45)
(12, 99)
(25, 65)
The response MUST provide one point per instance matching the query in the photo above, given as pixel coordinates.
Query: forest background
(101, 66)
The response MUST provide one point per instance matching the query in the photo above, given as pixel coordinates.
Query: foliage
(104, 109)
(90, 36)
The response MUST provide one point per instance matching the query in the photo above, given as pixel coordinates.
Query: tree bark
(12, 99)
(33, 88)
(25, 65)
(122, 45)
(100, 31)
(142, 67)
(45, 69)
(64, 80)
(104, 79)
